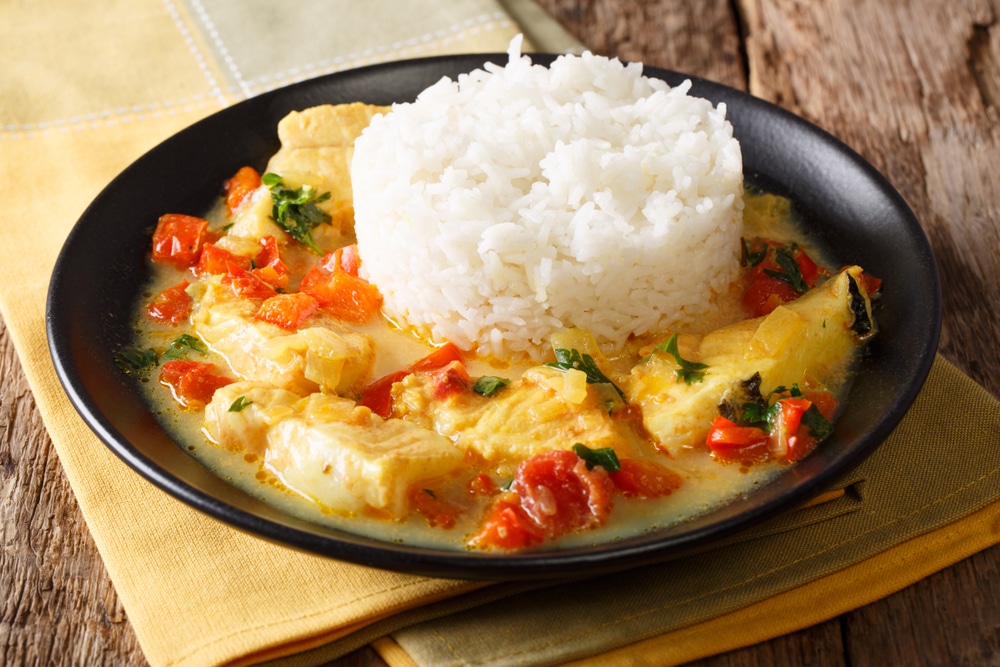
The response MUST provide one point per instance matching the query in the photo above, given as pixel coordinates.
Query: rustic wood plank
(914, 86)
(58, 604)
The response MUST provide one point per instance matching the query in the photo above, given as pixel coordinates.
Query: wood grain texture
(913, 86)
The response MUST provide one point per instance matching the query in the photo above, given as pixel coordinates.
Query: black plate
(844, 201)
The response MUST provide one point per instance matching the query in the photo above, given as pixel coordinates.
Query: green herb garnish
(180, 345)
(751, 258)
(790, 272)
(295, 211)
(240, 404)
(567, 359)
(488, 385)
(819, 425)
(603, 456)
(135, 361)
(689, 371)
(430, 493)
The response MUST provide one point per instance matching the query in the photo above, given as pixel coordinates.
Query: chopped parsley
(296, 211)
(567, 359)
(819, 425)
(751, 258)
(240, 404)
(488, 385)
(689, 371)
(602, 456)
(789, 271)
(136, 361)
(182, 344)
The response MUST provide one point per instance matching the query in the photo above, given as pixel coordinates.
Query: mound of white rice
(519, 200)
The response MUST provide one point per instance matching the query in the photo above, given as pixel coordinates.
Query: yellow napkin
(87, 89)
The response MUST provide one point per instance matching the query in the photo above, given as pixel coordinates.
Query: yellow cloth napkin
(87, 89)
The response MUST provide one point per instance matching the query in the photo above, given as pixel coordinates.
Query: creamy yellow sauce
(707, 483)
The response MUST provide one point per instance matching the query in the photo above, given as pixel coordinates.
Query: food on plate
(535, 307)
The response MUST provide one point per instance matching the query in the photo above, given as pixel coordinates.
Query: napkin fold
(87, 89)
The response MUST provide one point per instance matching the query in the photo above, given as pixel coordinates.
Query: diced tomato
(171, 306)
(241, 186)
(811, 272)
(248, 284)
(507, 526)
(377, 396)
(348, 259)
(560, 494)
(178, 239)
(450, 380)
(437, 512)
(784, 438)
(825, 402)
(644, 479)
(218, 260)
(345, 296)
(270, 256)
(192, 382)
(272, 277)
(288, 311)
(731, 442)
(764, 293)
(439, 358)
(481, 485)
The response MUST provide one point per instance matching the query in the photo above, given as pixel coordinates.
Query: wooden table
(913, 86)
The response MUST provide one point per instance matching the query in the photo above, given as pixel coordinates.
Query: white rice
(519, 200)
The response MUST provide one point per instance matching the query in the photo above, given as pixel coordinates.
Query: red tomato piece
(450, 380)
(377, 396)
(507, 526)
(171, 306)
(825, 402)
(764, 293)
(178, 239)
(730, 441)
(218, 260)
(248, 284)
(343, 295)
(437, 512)
(288, 311)
(348, 260)
(439, 358)
(192, 383)
(560, 494)
(240, 187)
(811, 272)
(270, 256)
(481, 485)
(644, 479)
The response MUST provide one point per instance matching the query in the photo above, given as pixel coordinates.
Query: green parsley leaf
(817, 423)
(488, 385)
(135, 362)
(240, 404)
(506, 485)
(295, 211)
(689, 371)
(602, 456)
(751, 258)
(567, 359)
(180, 345)
(789, 272)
